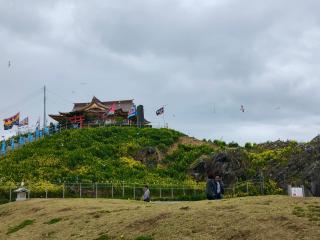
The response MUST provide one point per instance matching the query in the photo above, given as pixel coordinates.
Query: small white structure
(295, 191)
(21, 193)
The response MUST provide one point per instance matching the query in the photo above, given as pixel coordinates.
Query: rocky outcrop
(229, 164)
(301, 167)
(149, 156)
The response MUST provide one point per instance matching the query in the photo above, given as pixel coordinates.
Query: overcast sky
(202, 59)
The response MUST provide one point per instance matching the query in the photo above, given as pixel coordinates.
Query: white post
(46, 193)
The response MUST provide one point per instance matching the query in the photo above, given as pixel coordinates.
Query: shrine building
(96, 112)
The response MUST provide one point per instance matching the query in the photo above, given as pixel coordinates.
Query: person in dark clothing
(210, 187)
(218, 187)
(214, 188)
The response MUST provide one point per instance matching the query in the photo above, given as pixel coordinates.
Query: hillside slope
(95, 155)
(161, 156)
(268, 217)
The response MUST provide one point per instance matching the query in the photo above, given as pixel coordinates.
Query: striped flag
(24, 122)
(10, 122)
(160, 111)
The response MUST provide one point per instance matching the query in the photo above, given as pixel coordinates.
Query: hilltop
(160, 156)
(268, 217)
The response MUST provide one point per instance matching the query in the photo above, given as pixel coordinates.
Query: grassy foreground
(267, 217)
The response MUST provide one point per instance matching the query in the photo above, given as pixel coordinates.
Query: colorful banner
(112, 109)
(24, 122)
(10, 122)
(132, 112)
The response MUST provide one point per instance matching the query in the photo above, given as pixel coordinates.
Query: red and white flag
(112, 109)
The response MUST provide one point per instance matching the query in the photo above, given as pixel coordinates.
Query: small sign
(297, 192)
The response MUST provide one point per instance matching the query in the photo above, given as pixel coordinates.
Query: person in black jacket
(214, 188)
(218, 187)
(210, 187)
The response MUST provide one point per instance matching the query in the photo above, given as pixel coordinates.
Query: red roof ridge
(114, 101)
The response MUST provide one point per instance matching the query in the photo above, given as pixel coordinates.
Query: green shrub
(20, 226)
(103, 237)
(54, 220)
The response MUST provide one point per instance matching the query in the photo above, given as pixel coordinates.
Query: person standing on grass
(210, 187)
(218, 188)
(146, 194)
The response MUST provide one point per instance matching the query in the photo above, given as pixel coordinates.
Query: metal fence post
(184, 191)
(80, 189)
(134, 191)
(112, 190)
(63, 190)
(123, 189)
(234, 190)
(160, 192)
(171, 192)
(96, 190)
(247, 187)
(10, 197)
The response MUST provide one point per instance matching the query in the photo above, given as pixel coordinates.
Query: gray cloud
(203, 59)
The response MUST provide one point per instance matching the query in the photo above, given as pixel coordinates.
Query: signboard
(296, 192)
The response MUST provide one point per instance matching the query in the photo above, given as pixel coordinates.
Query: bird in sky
(242, 108)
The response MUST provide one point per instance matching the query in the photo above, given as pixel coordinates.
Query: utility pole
(44, 107)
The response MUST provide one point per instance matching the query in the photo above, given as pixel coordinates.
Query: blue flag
(21, 140)
(30, 137)
(3, 147)
(12, 143)
(37, 133)
(132, 112)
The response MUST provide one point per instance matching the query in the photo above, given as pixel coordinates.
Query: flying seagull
(242, 108)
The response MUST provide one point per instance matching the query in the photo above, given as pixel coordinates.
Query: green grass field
(267, 217)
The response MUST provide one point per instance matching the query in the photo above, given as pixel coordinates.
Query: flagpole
(44, 107)
(164, 121)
